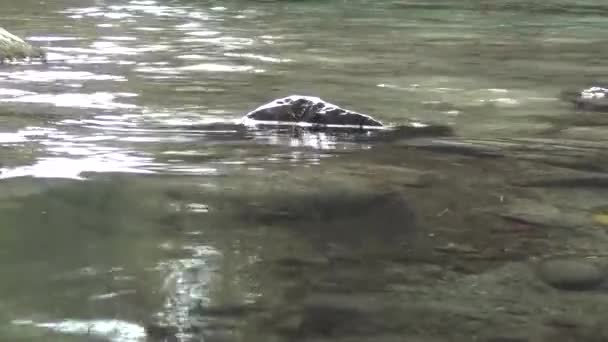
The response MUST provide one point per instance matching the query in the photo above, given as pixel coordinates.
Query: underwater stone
(570, 274)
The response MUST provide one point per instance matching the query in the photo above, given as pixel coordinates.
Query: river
(130, 212)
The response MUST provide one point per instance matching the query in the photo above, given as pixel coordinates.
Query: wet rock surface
(594, 98)
(15, 48)
(309, 110)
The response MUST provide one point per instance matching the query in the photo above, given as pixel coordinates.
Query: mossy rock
(14, 48)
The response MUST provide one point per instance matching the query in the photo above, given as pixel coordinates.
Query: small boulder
(313, 111)
(571, 274)
(15, 48)
(594, 98)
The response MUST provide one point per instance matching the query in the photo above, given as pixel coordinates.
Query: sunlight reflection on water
(158, 87)
(54, 76)
(73, 168)
(100, 100)
(112, 330)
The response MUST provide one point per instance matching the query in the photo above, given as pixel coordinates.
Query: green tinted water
(121, 210)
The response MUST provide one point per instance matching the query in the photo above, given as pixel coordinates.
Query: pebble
(571, 274)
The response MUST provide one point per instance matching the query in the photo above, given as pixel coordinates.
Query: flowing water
(129, 210)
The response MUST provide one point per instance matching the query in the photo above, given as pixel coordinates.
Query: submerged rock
(594, 98)
(14, 48)
(570, 274)
(313, 111)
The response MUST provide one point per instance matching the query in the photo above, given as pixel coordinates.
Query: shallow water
(129, 202)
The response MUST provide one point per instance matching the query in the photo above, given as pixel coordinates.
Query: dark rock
(594, 98)
(332, 316)
(407, 131)
(330, 206)
(507, 339)
(161, 332)
(299, 263)
(223, 311)
(531, 215)
(296, 109)
(570, 274)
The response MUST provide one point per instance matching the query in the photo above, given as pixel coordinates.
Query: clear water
(125, 203)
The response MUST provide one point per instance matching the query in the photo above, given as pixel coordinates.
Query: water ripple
(212, 67)
(54, 76)
(98, 100)
(258, 57)
(73, 168)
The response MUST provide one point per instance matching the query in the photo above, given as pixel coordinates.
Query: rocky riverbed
(390, 252)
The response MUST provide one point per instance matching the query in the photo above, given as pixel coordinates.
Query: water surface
(129, 202)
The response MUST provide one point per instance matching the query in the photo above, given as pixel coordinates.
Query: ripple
(110, 48)
(99, 100)
(119, 38)
(72, 149)
(191, 169)
(150, 8)
(203, 33)
(150, 29)
(412, 87)
(212, 67)
(157, 70)
(188, 26)
(80, 13)
(227, 42)
(204, 67)
(11, 138)
(96, 138)
(82, 10)
(193, 57)
(505, 101)
(53, 76)
(99, 123)
(197, 208)
(51, 38)
(258, 57)
(72, 168)
(110, 295)
(103, 48)
(81, 58)
(498, 90)
(14, 92)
